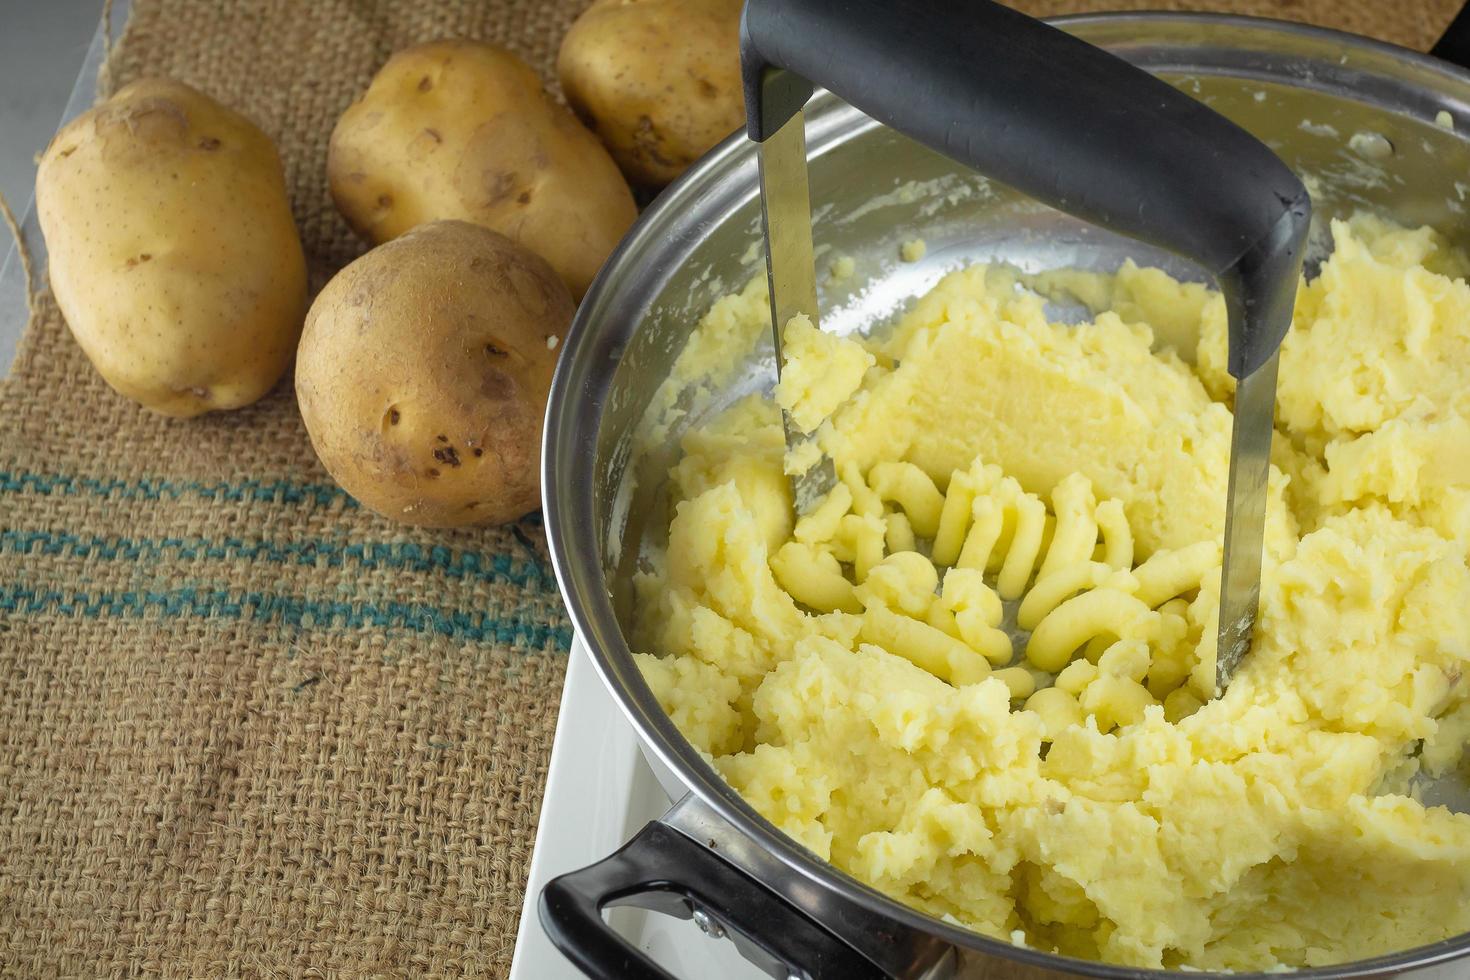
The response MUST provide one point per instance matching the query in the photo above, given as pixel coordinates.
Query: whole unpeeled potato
(173, 254)
(659, 80)
(464, 130)
(423, 374)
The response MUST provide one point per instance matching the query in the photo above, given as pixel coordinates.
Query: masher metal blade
(1245, 517)
(786, 215)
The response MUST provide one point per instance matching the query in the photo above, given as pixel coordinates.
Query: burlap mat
(247, 728)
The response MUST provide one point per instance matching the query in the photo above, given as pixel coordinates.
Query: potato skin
(423, 373)
(464, 130)
(173, 254)
(659, 80)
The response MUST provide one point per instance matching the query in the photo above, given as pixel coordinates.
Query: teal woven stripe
(266, 491)
(294, 611)
(405, 556)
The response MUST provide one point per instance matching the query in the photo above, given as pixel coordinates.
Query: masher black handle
(1056, 118)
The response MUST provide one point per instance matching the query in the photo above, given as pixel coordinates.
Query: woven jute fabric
(247, 728)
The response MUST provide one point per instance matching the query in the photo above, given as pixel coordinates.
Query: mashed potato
(1079, 789)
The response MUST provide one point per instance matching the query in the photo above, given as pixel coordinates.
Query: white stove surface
(599, 793)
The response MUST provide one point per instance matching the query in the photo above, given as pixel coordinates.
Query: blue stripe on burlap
(150, 488)
(287, 610)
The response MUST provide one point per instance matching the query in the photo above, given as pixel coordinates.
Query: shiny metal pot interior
(1355, 117)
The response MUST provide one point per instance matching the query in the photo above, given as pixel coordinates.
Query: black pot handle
(1454, 45)
(1056, 118)
(665, 870)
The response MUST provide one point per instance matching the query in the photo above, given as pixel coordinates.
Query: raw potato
(173, 254)
(463, 129)
(423, 374)
(659, 80)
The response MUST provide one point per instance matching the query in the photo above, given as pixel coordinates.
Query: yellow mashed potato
(847, 672)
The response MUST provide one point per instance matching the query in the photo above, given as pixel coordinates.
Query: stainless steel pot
(1357, 118)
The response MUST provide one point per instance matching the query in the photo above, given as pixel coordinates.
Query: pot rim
(577, 399)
